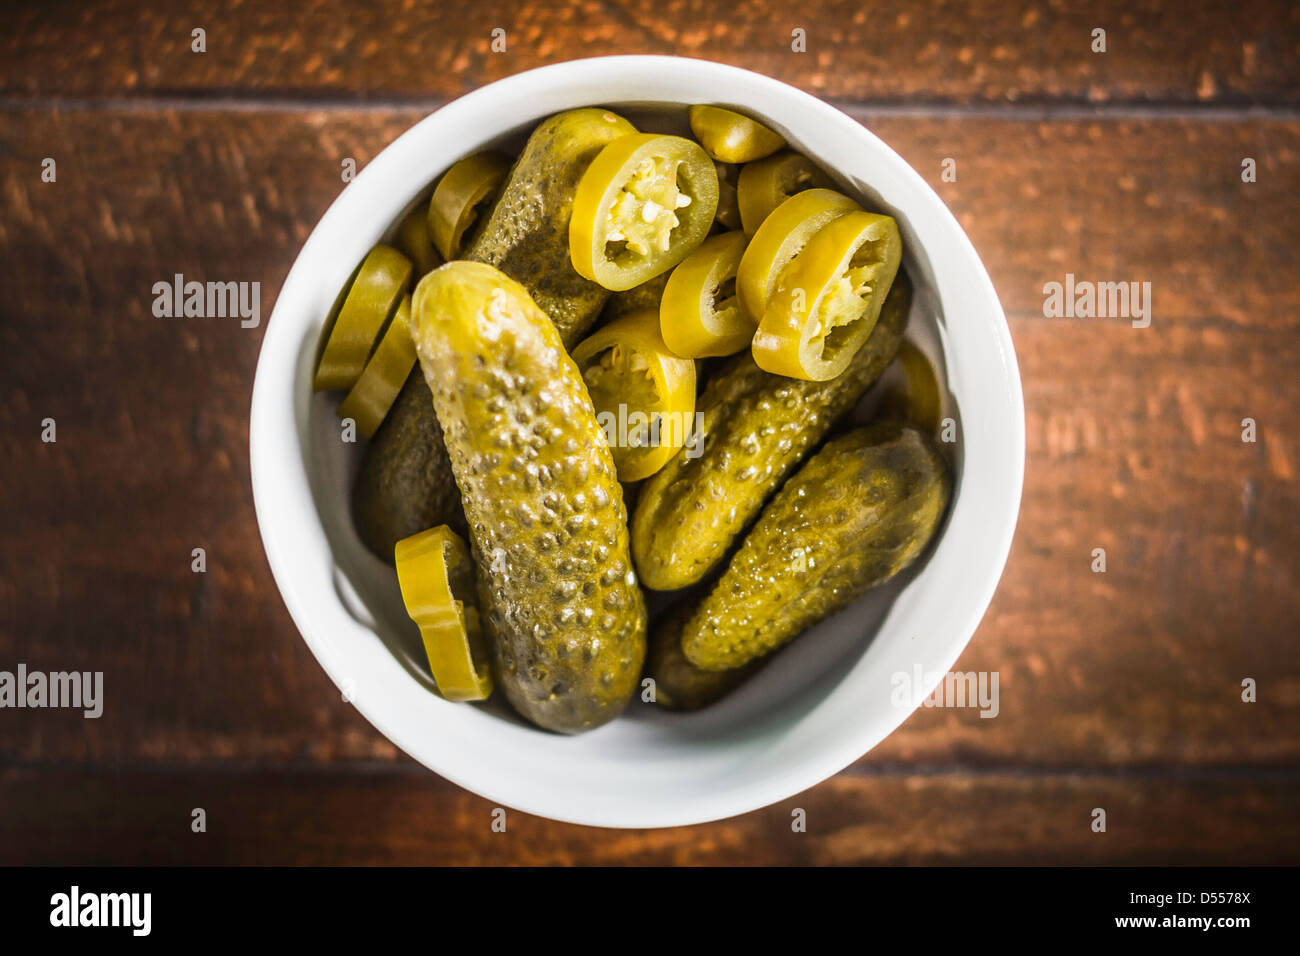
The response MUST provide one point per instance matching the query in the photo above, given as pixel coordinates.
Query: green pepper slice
(416, 244)
(732, 137)
(828, 299)
(643, 394)
(436, 577)
(643, 204)
(917, 399)
(383, 277)
(780, 238)
(384, 375)
(700, 314)
(459, 197)
(764, 185)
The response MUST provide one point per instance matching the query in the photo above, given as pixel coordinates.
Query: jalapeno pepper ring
(700, 314)
(384, 375)
(416, 244)
(780, 238)
(917, 398)
(828, 299)
(436, 577)
(766, 184)
(644, 395)
(381, 281)
(643, 204)
(732, 137)
(459, 197)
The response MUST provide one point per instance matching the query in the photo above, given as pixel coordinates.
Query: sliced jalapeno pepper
(460, 196)
(436, 576)
(643, 204)
(644, 395)
(917, 399)
(766, 184)
(414, 241)
(381, 281)
(780, 238)
(384, 375)
(728, 214)
(700, 314)
(732, 137)
(828, 299)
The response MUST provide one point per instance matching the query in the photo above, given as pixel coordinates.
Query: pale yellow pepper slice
(643, 394)
(436, 575)
(460, 196)
(780, 238)
(384, 276)
(829, 298)
(731, 137)
(764, 185)
(384, 375)
(918, 398)
(700, 314)
(414, 241)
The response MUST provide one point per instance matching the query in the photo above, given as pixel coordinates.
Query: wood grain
(329, 818)
(1134, 438)
(959, 52)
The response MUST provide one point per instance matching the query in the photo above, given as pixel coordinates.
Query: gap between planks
(1062, 110)
(409, 768)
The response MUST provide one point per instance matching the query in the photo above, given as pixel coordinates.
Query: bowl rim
(296, 548)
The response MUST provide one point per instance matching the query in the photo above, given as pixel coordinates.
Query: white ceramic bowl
(826, 700)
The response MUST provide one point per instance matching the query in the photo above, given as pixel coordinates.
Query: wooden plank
(1135, 447)
(1127, 200)
(959, 52)
(72, 817)
(1134, 438)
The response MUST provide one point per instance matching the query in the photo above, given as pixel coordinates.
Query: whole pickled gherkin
(754, 428)
(526, 235)
(858, 512)
(405, 483)
(542, 500)
(679, 684)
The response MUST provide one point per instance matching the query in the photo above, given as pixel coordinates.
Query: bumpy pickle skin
(755, 428)
(526, 235)
(544, 506)
(678, 684)
(405, 483)
(858, 512)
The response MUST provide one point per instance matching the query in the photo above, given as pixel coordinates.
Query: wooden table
(1120, 690)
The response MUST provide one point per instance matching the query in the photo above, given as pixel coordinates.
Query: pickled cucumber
(526, 235)
(544, 506)
(679, 684)
(755, 428)
(405, 483)
(861, 510)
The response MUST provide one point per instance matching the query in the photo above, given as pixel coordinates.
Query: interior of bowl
(826, 698)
